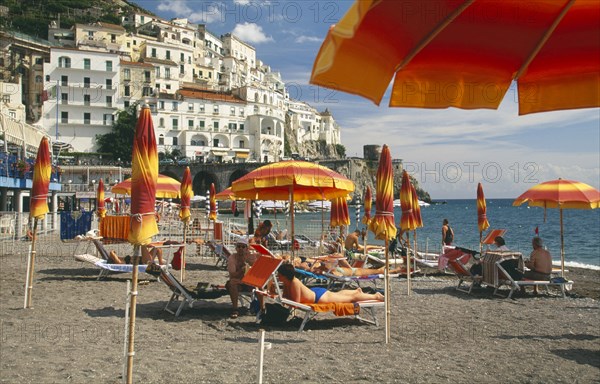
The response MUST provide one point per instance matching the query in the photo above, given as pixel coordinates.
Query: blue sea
(581, 227)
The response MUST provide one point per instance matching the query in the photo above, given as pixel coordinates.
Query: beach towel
(339, 309)
(74, 223)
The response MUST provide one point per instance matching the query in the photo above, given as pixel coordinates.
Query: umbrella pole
(185, 228)
(480, 242)
(387, 289)
(408, 282)
(562, 246)
(292, 218)
(322, 246)
(137, 255)
(30, 267)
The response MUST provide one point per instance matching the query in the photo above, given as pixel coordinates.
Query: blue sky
(448, 151)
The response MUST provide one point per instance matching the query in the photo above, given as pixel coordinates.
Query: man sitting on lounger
(236, 266)
(352, 244)
(293, 289)
(539, 263)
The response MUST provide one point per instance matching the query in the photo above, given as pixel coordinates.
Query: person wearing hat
(236, 266)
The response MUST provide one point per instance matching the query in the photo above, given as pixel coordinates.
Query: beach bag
(176, 262)
(275, 314)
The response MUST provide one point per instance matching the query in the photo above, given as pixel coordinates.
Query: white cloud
(178, 7)
(242, 2)
(308, 39)
(208, 12)
(251, 33)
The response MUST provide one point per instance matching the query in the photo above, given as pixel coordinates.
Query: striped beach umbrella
(166, 187)
(100, 209)
(368, 205)
(339, 216)
(186, 194)
(561, 194)
(382, 224)
(408, 220)
(416, 207)
(482, 221)
(226, 194)
(550, 50)
(42, 170)
(212, 215)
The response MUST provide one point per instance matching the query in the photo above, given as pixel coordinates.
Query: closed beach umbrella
(166, 187)
(382, 224)
(339, 216)
(100, 209)
(482, 221)
(408, 219)
(38, 208)
(368, 205)
(185, 214)
(561, 194)
(459, 57)
(213, 203)
(293, 181)
(416, 207)
(144, 175)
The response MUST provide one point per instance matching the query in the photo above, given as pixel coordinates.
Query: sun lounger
(264, 270)
(504, 278)
(179, 291)
(456, 260)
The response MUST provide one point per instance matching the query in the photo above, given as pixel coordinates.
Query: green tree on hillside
(120, 140)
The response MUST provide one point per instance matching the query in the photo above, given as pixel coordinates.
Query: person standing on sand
(447, 233)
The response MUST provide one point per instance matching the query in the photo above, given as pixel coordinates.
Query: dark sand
(75, 332)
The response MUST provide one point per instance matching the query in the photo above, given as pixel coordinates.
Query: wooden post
(387, 290)
(30, 267)
(137, 255)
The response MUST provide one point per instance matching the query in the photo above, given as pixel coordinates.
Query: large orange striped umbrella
(186, 194)
(561, 194)
(455, 54)
(226, 194)
(213, 203)
(38, 208)
(100, 209)
(408, 220)
(339, 215)
(41, 181)
(368, 201)
(482, 221)
(166, 187)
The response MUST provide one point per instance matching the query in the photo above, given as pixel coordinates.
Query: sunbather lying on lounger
(293, 289)
(343, 268)
(148, 256)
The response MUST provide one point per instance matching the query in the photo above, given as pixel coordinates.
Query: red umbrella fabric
(213, 203)
(144, 175)
(416, 207)
(482, 221)
(41, 181)
(339, 213)
(382, 224)
(186, 194)
(100, 209)
(368, 201)
(166, 187)
(408, 221)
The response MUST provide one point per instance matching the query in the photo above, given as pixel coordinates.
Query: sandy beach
(75, 332)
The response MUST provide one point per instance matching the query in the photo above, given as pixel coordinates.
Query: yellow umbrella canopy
(561, 194)
(213, 203)
(382, 224)
(166, 187)
(339, 212)
(186, 194)
(308, 181)
(226, 194)
(41, 181)
(144, 171)
(101, 210)
(482, 221)
(408, 220)
(457, 56)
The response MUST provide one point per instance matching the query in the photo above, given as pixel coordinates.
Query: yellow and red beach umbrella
(482, 221)
(416, 207)
(38, 208)
(100, 209)
(41, 181)
(382, 224)
(144, 176)
(408, 220)
(561, 194)
(186, 194)
(339, 216)
(368, 201)
(213, 203)
(226, 194)
(457, 56)
(166, 187)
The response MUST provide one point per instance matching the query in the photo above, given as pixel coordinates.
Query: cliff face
(314, 150)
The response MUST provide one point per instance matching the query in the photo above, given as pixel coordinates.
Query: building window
(147, 76)
(201, 108)
(190, 124)
(174, 106)
(108, 83)
(64, 98)
(86, 82)
(39, 79)
(113, 38)
(168, 86)
(127, 90)
(201, 123)
(109, 101)
(168, 55)
(87, 117)
(182, 57)
(157, 70)
(216, 125)
(215, 142)
(108, 119)
(175, 123)
(241, 112)
(87, 63)
(161, 140)
(146, 91)
(242, 144)
(153, 54)
(232, 126)
(215, 109)
(174, 141)
(167, 73)
(127, 74)
(126, 104)
(64, 81)
(64, 62)
(64, 117)
(161, 104)
(86, 99)
(109, 66)
(190, 107)
(241, 127)
(232, 111)
(161, 122)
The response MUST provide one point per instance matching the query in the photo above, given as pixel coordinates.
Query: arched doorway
(202, 181)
